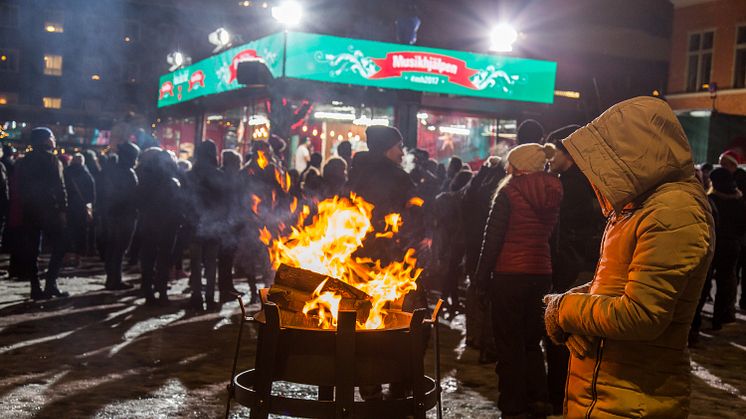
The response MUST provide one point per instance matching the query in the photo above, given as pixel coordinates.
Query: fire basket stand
(337, 361)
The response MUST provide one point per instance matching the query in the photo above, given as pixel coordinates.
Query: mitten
(551, 318)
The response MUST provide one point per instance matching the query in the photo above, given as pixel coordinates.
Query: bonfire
(327, 246)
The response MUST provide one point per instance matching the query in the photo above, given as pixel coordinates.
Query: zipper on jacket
(596, 369)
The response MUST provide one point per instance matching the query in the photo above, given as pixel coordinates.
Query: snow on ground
(107, 355)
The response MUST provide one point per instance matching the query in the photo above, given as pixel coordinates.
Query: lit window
(699, 63)
(52, 65)
(739, 72)
(54, 22)
(53, 27)
(52, 102)
(8, 98)
(8, 60)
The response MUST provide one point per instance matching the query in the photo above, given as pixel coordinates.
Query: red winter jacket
(523, 215)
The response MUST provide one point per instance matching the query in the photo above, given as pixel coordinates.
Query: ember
(327, 246)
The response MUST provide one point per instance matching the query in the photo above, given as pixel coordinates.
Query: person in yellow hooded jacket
(627, 329)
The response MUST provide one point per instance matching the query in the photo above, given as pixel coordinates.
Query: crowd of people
(523, 236)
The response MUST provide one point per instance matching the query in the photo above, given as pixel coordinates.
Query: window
(739, 72)
(699, 64)
(52, 65)
(8, 16)
(55, 22)
(8, 98)
(8, 60)
(472, 137)
(52, 102)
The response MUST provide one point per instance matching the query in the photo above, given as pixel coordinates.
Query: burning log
(294, 287)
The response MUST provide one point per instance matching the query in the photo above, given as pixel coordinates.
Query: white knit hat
(531, 157)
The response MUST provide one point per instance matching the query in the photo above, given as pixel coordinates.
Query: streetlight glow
(288, 13)
(502, 38)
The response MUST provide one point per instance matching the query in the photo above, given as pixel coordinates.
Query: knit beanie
(40, 135)
(530, 131)
(530, 158)
(722, 181)
(555, 137)
(207, 152)
(380, 138)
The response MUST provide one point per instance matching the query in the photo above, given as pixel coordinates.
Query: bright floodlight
(177, 59)
(221, 38)
(502, 38)
(288, 13)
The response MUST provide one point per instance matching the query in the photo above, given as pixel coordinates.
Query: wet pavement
(107, 355)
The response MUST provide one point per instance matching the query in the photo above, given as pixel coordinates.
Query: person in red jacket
(515, 270)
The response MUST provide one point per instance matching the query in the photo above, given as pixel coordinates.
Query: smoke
(407, 162)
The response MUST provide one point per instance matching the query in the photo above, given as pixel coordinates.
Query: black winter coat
(81, 188)
(731, 215)
(41, 187)
(120, 192)
(385, 185)
(577, 238)
(159, 199)
(208, 204)
(4, 192)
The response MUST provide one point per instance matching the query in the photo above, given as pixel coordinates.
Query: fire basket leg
(345, 364)
(235, 359)
(269, 335)
(417, 350)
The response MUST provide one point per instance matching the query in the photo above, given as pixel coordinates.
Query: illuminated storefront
(353, 83)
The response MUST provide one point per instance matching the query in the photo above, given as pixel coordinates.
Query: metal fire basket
(337, 361)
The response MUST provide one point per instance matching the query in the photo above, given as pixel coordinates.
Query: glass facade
(236, 128)
(473, 138)
(177, 135)
(330, 124)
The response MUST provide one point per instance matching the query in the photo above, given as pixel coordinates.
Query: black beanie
(722, 181)
(128, 153)
(207, 152)
(380, 138)
(555, 137)
(40, 135)
(530, 131)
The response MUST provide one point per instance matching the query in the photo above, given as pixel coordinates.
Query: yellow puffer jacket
(657, 247)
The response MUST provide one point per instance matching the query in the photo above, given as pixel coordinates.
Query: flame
(261, 159)
(265, 236)
(294, 205)
(415, 201)
(283, 181)
(326, 305)
(393, 222)
(327, 245)
(255, 201)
